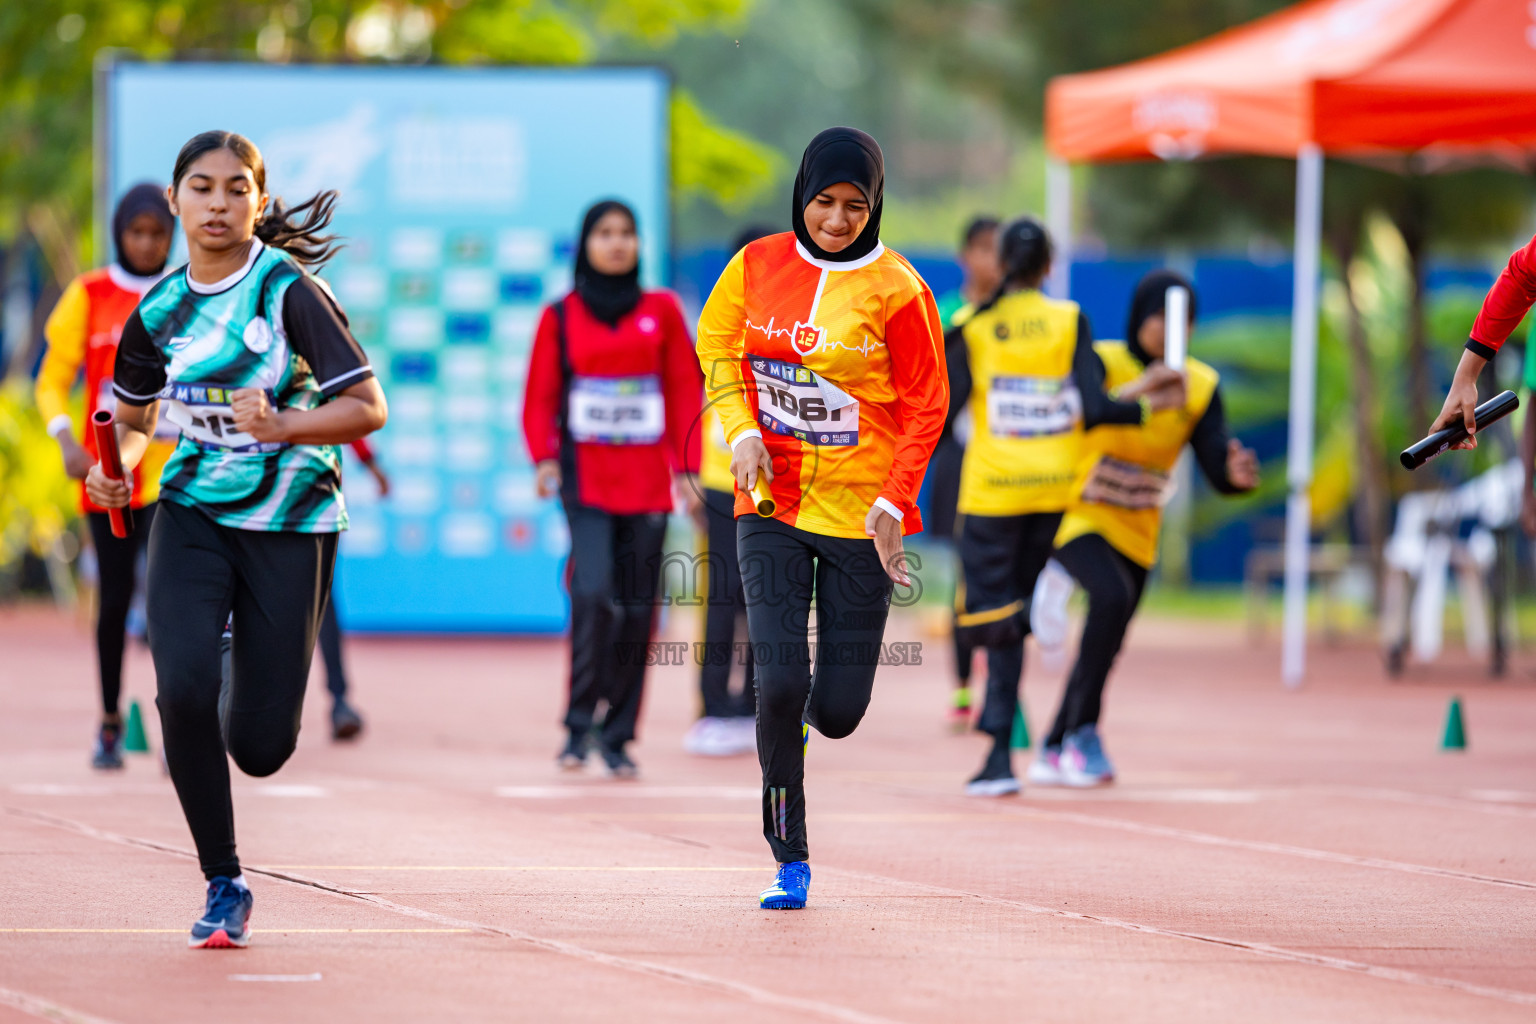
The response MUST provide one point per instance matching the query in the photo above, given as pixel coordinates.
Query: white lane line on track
(1256, 948)
(1211, 839)
(630, 792)
(697, 979)
(836, 1012)
(1403, 796)
(47, 1009)
(275, 977)
(1263, 846)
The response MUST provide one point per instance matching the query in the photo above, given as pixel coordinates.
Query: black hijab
(142, 198)
(608, 296)
(1148, 301)
(841, 154)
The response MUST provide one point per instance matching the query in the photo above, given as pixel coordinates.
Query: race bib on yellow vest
(1032, 406)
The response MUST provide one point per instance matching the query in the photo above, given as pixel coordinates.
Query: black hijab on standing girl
(608, 296)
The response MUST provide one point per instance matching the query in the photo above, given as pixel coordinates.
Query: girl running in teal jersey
(252, 359)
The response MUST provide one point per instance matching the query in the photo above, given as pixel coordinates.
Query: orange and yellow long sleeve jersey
(840, 368)
(82, 333)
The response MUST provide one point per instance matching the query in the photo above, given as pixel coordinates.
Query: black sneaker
(346, 723)
(996, 777)
(108, 754)
(618, 763)
(573, 758)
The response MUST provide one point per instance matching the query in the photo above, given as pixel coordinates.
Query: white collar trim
(233, 279)
(133, 282)
(862, 261)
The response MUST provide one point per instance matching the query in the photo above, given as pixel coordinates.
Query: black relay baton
(1490, 412)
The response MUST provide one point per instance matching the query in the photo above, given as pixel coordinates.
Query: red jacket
(632, 403)
(1508, 301)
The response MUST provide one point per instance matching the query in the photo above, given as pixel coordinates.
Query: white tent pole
(1298, 507)
(1058, 220)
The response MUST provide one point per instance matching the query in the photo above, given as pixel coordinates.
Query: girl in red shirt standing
(613, 393)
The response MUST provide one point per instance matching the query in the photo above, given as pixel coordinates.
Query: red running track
(1267, 855)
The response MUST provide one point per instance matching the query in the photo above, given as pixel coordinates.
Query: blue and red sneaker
(225, 924)
(789, 887)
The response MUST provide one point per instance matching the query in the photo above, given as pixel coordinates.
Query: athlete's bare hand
(1242, 466)
(253, 414)
(1461, 400)
(749, 460)
(1164, 387)
(106, 492)
(886, 530)
(77, 461)
(547, 478)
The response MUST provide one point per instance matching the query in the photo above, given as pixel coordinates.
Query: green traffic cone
(1020, 739)
(134, 740)
(1455, 737)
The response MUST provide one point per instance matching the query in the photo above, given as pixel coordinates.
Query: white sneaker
(743, 734)
(714, 737)
(1045, 770)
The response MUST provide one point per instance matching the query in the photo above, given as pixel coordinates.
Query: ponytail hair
(294, 229)
(1025, 250)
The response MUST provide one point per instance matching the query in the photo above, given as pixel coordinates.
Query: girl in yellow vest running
(1034, 384)
(1108, 538)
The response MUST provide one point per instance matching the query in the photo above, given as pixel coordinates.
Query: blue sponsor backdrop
(462, 192)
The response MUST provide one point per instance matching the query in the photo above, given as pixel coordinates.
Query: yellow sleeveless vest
(1122, 479)
(1025, 410)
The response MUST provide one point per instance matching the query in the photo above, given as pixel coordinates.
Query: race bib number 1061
(793, 400)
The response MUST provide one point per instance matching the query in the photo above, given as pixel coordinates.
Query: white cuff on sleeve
(749, 432)
(895, 512)
(60, 424)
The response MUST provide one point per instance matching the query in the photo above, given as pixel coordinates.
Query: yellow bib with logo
(1123, 474)
(1026, 413)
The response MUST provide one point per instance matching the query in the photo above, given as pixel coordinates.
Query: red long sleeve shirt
(1510, 298)
(632, 402)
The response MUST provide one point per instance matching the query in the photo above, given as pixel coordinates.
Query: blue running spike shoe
(789, 887)
(108, 754)
(1083, 761)
(225, 924)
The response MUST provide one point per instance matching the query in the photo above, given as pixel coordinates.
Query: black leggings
(330, 650)
(1114, 584)
(614, 574)
(117, 569)
(726, 605)
(276, 585)
(781, 568)
(1002, 557)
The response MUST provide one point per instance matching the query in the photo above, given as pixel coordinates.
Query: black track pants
(117, 562)
(1001, 557)
(722, 570)
(276, 585)
(1114, 584)
(614, 574)
(781, 568)
(330, 650)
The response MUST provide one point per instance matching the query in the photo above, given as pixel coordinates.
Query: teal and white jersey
(271, 326)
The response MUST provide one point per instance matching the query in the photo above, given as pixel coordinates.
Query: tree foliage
(48, 49)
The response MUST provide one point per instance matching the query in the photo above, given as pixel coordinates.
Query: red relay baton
(105, 425)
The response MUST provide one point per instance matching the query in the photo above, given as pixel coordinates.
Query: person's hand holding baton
(1461, 400)
(107, 483)
(752, 467)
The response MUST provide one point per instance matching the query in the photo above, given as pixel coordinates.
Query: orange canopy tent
(1355, 78)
